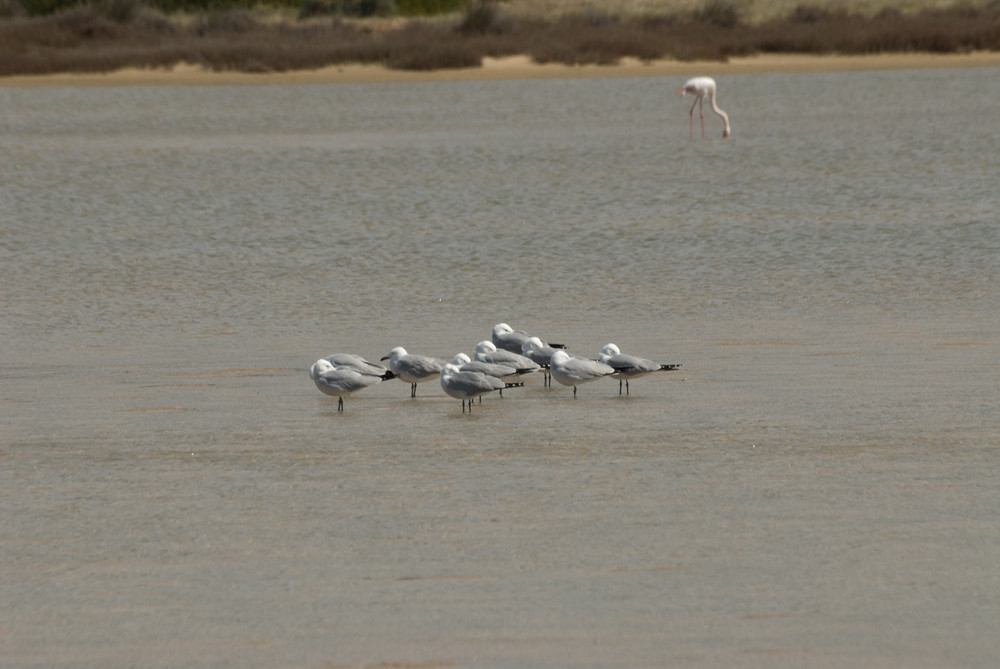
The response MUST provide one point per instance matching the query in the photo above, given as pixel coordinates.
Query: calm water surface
(818, 487)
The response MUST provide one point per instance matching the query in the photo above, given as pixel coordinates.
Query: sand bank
(515, 67)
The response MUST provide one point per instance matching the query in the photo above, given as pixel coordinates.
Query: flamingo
(700, 87)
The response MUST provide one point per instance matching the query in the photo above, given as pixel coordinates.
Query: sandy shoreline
(515, 67)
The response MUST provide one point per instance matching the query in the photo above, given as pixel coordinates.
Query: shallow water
(818, 485)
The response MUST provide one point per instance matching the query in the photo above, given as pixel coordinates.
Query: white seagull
(505, 372)
(502, 372)
(629, 366)
(466, 386)
(540, 352)
(356, 362)
(574, 371)
(412, 368)
(340, 381)
(507, 338)
(486, 351)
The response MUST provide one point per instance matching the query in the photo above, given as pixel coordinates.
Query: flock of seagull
(510, 354)
(497, 364)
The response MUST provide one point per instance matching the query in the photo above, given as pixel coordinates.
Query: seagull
(507, 338)
(340, 381)
(540, 352)
(356, 362)
(486, 351)
(629, 366)
(413, 369)
(502, 372)
(505, 372)
(574, 371)
(468, 385)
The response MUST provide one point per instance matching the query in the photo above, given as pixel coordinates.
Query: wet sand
(514, 67)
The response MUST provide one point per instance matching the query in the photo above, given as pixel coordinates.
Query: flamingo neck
(724, 115)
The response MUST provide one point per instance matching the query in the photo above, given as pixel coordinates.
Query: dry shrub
(811, 30)
(115, 35)
(482, 17)
(437, 56)
(423, 46)
(719, 13)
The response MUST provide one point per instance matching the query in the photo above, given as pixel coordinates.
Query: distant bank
(514, 67)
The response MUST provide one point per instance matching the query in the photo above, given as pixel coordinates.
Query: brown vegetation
(96, 39)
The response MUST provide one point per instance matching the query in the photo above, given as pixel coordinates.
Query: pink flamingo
(701, 87)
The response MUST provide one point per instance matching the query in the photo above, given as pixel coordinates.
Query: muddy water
(817, 486)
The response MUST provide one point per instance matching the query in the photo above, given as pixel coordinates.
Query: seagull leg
(340, 404)
(626, 386)
(574, 392)
(413, 390)
(619, 386)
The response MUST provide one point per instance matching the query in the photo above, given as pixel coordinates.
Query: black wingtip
(670, 368)
(513, 385)
(556, 345)
(388, 375)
